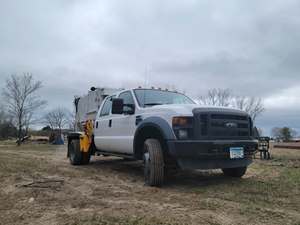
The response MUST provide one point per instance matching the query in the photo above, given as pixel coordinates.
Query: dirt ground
(39, 186)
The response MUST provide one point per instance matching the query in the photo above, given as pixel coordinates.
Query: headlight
(182, 121)
(183, 127)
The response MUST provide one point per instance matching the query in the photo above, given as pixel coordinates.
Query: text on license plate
(236, 152)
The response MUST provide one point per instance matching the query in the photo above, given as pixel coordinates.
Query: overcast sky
(251, 47)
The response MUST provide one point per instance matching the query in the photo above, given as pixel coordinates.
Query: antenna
(147, 76)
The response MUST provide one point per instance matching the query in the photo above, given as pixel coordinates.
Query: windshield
(148, 97)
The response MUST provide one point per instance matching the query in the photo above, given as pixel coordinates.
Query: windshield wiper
(152, 104)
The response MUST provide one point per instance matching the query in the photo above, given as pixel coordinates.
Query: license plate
(236, 152)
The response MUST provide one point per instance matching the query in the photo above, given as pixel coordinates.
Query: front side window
(149, 97)
(128, 99)
(106, 107)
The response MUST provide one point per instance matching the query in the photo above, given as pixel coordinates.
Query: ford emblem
(231, 125)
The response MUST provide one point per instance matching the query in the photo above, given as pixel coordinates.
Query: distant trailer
(264, 147)
(86, 107)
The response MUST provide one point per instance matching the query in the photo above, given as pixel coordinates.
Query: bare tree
(57, 118)
(21, 100)
(3, 115)
(252, 105)
(71, 120)
(216, 97)
(28, 120)
(224, 97)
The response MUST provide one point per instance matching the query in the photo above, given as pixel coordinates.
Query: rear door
(102, 131)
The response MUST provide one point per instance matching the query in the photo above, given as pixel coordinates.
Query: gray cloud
(250, 47)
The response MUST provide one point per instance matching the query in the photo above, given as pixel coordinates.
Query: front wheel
(153, 163)
(235, 172)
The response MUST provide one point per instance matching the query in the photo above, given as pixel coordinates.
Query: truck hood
(187, 109)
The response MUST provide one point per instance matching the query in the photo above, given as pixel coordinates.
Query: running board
(127, 156)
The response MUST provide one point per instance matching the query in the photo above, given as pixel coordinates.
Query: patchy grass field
(39, 186)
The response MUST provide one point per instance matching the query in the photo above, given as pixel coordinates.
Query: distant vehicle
(164, 129)
(296, 139)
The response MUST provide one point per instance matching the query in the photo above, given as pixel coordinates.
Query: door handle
(138, 119)
(96, 124)
(109, 123)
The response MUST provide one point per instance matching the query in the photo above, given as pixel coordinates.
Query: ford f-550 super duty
(164, 129)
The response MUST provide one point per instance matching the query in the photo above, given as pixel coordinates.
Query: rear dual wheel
(76, 156)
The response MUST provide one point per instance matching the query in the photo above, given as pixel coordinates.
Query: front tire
(153, 163)
(235, 172)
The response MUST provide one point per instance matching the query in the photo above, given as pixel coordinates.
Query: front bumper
(208, 154)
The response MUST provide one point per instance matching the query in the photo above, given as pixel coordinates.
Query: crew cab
(165, 130)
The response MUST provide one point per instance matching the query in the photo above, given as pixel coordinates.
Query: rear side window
(106, 107)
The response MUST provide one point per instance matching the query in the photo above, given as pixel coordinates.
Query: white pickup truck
(166, 129)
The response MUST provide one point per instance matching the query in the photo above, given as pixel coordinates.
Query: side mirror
(117, 106)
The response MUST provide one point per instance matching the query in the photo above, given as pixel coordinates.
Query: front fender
(158, 123)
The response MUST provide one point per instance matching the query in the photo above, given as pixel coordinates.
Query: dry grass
(111, 191)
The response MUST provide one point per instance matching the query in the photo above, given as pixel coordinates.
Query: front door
(123, 127)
